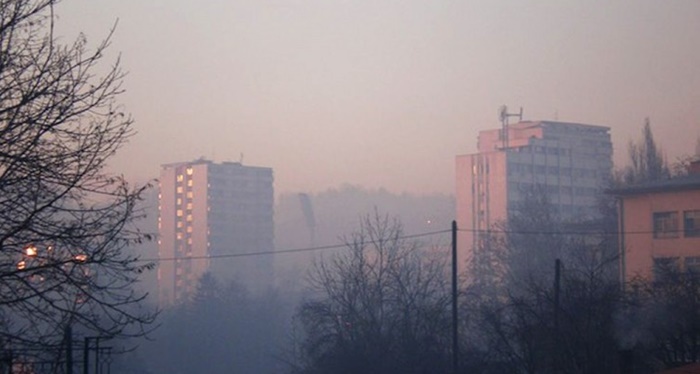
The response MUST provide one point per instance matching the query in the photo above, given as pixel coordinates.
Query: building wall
(481, 198)
(640, 248)
(241, 214)
(182, 230)
(166, 237)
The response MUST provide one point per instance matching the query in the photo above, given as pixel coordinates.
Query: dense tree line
(222, 329)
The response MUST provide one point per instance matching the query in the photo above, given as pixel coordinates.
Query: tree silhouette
(380, 306)
(523, 313)
(647, 162)
(222, 329)
(64, 221)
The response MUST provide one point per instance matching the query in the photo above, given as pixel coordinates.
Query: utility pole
(455, 334)
(557, 287)
(97, 355)
(68, 337)
(86, 355)
(557, 292)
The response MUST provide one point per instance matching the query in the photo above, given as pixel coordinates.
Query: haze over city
(385, 94)
(349, 186)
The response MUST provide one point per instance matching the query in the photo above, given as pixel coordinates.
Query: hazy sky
(386, 93)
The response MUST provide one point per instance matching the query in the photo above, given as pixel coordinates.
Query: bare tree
(523, 315)
(662, 317)
(64, 221)
(380, 306)
(681, 166)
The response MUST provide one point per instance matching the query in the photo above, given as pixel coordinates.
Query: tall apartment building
(208, 210)
(571, 162)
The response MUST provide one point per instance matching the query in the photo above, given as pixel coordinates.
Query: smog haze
(385, 94)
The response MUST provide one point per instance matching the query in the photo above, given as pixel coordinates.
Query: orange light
(21, 265)
(30, 250)
(81, 257)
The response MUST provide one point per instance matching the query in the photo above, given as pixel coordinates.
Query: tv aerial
(503, 116)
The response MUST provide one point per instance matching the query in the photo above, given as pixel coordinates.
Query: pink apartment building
(571, 162)
(214, 218)
(660, 225)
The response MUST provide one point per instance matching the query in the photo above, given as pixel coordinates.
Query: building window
(180, 177)
(189, 183)
(692, 265)
(190, 171)
(179, 213)
(691, 223)
(666, 269)
(178, 190)
(665, 225)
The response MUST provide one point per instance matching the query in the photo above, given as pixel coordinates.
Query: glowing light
(81, 257)
(30, 250)
(21, 265)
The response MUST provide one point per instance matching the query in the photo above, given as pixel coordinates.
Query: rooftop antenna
(503, 115)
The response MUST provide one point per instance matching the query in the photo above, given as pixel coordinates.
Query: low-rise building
(659, 225)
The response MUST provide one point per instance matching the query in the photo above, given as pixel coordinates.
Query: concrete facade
(571, 162)
(660, 227)
(209, 210)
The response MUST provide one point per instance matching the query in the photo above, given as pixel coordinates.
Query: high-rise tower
(570, 162)
(207, 211)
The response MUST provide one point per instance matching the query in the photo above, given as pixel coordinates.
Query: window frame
(666, 269)
(665, 225)
(694, 231)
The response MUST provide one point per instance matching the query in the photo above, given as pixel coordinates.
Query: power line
(566, 232)
(413, 236)
(281, 251)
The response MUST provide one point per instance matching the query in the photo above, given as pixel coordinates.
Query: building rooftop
(683, 183)
(544, 123)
